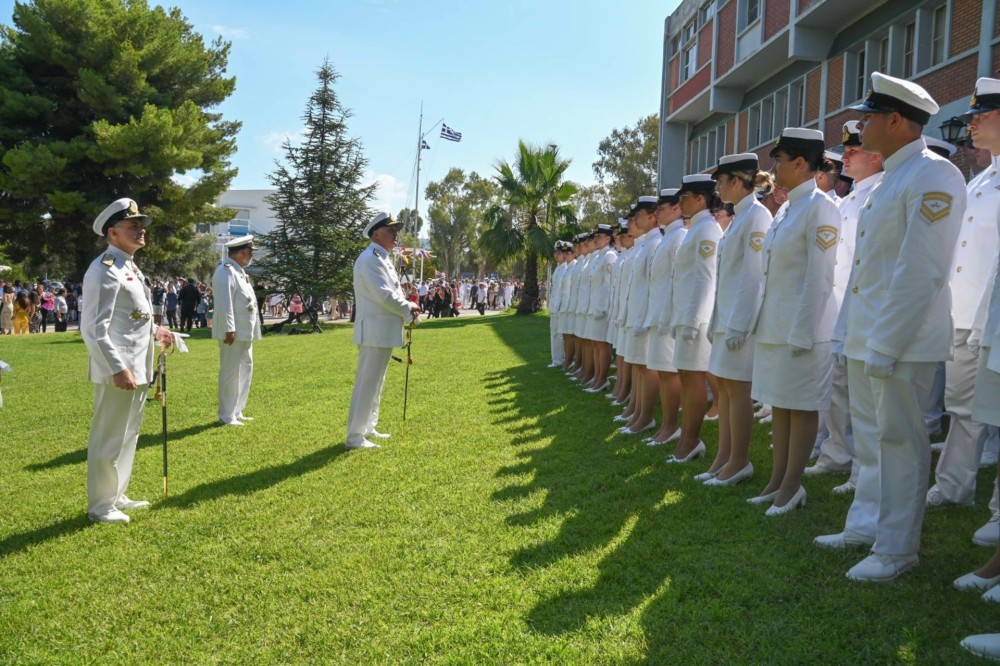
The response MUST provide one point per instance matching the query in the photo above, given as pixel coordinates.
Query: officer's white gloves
(735, 339)
(838, 353)
(600, 315)
(974, 343)
(686, 333)
(879, 365)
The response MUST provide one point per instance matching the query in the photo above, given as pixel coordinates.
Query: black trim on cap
(732, 167)
(882, 103)
(787, 143)
(699, 187)
(123, 214)
(851, 138)
(387, 222)
(982, 104)
(646, 205)
(669, 199)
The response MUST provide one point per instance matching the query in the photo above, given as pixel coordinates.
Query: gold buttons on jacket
(857, 262)
(958, 270)
(964, 243)
(862, 234)
(854, 291)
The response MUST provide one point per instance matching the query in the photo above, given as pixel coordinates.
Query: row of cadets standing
(563, 255)
(601, 267)
(616, 331)
(622, 245)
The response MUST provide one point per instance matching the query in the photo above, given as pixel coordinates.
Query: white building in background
(253, 216)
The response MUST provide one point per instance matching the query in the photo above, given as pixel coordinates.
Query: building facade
(735, 72)
(253, 216)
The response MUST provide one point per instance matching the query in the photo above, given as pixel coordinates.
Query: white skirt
(622, 339)
(660, 352)
(567, 323)
(612, 337)
(693, 356)
(635, 347)
(580, 324)
(793, 382)
(597, 330)
(986, 399)
(734, 365)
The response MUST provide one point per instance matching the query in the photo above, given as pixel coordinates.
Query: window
(766, 118)
(860, 75)
(909, 32)
(883, 55)
(689, 62)
(938, 33)
(203, 228)
(780, 112)
(748, 13)
(707, 12)
(796, 105)
(753, 11)
(690, 30)
(753, 127)
(706, 150)
(675, 45)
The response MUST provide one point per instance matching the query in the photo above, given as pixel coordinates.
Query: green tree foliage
(198, 258)
(102, 99)
(536, 203)
(413, 222)
(320, 202)
(457, 205)
(627, 164)
(593, 209)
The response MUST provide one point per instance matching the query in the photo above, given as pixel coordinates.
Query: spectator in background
(188, 300)
(157, 297)
(171, 304)
(7, 310)
(61, 311)
(35, 320)
(24, 309)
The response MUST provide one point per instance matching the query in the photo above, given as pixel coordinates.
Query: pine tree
(320, 202)
(102, 99)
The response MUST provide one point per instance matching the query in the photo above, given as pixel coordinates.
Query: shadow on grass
(19, 542)
(252, 482)
(149, 439)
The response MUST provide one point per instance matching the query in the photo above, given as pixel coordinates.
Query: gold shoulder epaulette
(108, 260)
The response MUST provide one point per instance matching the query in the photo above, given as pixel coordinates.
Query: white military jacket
(601, 265)
(638, 291)
(555, 287)
(616, 278)
(624, 266)
(796, 308)
(583, 288)
(898, 302)
(565, 285)
(380, 307)
(694, 273)
(738, 274)
(849, 207)
(117, 319)
(235, 303)
(661, 275)
(977, 245)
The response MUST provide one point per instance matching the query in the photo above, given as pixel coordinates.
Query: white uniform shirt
(380, 306)
(976, 247)
(583, 287)
(615, 287)
(738, 279)
(693, 285)
(235, 303)
(624, 275)
(898, 302)
(567, 287)
(661, 275)
(600, 280)
(555, 287)
(850, 207)
(796, 305)
(638, 292)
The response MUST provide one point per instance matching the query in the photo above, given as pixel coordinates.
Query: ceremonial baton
(409, 362)
(161, 391)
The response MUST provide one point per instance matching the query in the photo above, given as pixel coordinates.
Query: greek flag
(449, 133)
(424, 145)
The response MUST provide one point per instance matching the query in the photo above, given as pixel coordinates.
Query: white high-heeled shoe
(798, 499)
(763, 499)
(696, 452)
(705, 477)
(673, 438)
(629, 431)
(972, 582)
(743, 475)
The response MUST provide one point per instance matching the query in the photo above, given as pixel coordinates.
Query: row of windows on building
(686, 41)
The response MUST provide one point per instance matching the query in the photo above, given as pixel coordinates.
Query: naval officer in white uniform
(117, 326)
(380, 311)
(236, 326)
(895, 325)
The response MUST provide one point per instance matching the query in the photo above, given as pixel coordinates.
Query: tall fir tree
(320, 202)
(102, 99)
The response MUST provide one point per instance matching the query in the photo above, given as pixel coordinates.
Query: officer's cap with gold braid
(739, 162)
(986, 97)
(122, 209)
(801, 139)
(889, 94)
(852, 137)
(382, 219)
(239, 243)
(698, 183)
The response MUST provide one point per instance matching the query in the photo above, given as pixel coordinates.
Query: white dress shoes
(629, 431)
(845, 488)
(379, 435)
(935, 499)
(983, 645)
(878, 568)
(126, 504)
(744, 474)
(111, 516)
(364, 444)
(844, 540)
(798, 499)
(763, 499)
(234, 423)
(992, 595)
(696, 452)
(711, 418)
(817, 470)
(673, 438)
(705, 477)
(971, 582)
(244, 418)
(988, 535)
(603, 387)
(621, 418)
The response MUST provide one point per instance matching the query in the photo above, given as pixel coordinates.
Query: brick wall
(952, 82)
(705, 44)
(835, 84)
(966, 17)
(833, 127)
(690, 89)
(996, 60)
(813, 80)
(764, 156)
(804, 5)
(996, 28)
(742, 119)
(727, 39)
(674, 68)
(775, 17)
(730, 136)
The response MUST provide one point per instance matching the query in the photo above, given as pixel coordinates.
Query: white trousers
(555, 340)
(114, 431)
(837, 450)
(963, 449)
(367, 395)
(235, 373)
(893, 453)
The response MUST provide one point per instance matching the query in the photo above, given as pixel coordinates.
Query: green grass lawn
(504, 524)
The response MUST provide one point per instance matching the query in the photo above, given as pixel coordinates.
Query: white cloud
(231, 33)
(391, 194)
(276, 140)
(184, 179)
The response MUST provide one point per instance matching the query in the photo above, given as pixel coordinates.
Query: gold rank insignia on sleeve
(756, 240)
(108, 260)
(826, 237)
(706, 248)
(935, 206)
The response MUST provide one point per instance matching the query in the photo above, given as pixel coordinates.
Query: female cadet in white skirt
(623, 374)
(737, 293)
(693, 295)
(600, 305)
(660, 350)
(793, 366)
(586, 370)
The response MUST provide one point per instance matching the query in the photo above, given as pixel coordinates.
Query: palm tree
(535, 202)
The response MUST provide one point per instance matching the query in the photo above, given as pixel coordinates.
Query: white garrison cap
(697, 182)
(985, 97)
(833, 157)
(904, 97)
(736, 162)
(239, 242)
(122, 209)
(942, 148)
(381, 219)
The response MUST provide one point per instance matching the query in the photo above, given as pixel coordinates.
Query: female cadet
(737, 293)
(793, 368)
(596, 332)
(692, 297)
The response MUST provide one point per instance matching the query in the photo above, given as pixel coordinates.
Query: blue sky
(547, 71)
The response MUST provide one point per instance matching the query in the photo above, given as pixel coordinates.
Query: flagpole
(420, 149)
